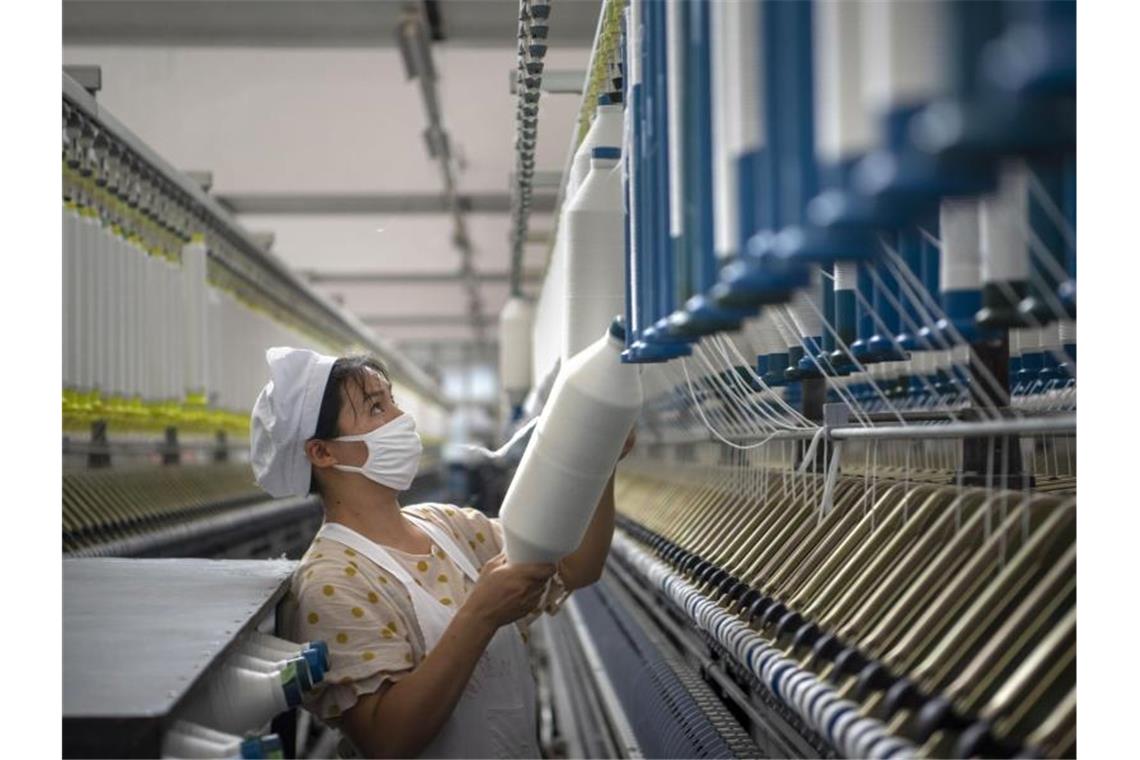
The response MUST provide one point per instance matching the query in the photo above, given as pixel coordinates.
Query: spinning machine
(848, 235)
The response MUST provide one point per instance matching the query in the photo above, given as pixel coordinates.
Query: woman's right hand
(506, 592)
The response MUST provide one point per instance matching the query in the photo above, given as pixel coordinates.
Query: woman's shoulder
(468, 526)
(329, 561)
(445, 515)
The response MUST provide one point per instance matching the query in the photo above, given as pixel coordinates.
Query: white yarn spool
(844, 127)
(1005, 254)
(194, 292)
(175, 332)
(179, 743)
(961, 257)
(605, 129)
(808, 320)
(572, 453)
(846, 275)
(595, 257)
(112, 298)
(143, 328)
(71, 228)
(1067, 332)
(103, 293)
(1016, 341)
(628, 162)
(904, 58)
(153, 273)
(126, 329)
(546, 342)
(675, 79)
(84, 305)
(725, 107)
(123, 316)
(516, 323)
(746, 83)
(236, 700)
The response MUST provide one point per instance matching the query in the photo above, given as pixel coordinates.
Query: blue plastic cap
(607, 152)
(251, 748)
(617, 328)
(316, 663)
(323, 648)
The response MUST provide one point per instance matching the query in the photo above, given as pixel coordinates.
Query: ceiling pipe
(414, 40)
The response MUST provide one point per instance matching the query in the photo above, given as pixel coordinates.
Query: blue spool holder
(763, 275)
(776, 365)
(1016, 92)
(652, 262)
(896, 184)
(701, 314)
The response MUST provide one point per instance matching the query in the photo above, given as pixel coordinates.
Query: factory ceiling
(304, 115)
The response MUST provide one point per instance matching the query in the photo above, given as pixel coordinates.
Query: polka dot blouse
(366, 616)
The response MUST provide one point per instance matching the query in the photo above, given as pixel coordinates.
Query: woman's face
(363, 409)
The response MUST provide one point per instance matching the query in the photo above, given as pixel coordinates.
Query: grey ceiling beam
(399, 278)
(375, 203)
(372, 277)
(426, 320)
(302, 23)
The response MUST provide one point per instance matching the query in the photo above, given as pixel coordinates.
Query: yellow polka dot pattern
(357, 580)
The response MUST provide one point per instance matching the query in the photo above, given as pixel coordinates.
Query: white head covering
(285, 416)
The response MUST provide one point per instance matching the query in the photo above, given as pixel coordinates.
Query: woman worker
(424, 618)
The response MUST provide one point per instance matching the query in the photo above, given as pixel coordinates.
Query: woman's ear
(318, 453)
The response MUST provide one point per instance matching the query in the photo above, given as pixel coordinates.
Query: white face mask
(394, 451)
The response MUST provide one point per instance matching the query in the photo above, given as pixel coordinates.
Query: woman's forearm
(584, 566)
(410, 713)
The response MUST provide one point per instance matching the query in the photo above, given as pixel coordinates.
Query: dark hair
(347, 369)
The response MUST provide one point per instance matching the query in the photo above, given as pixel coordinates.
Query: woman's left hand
(630, 440)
